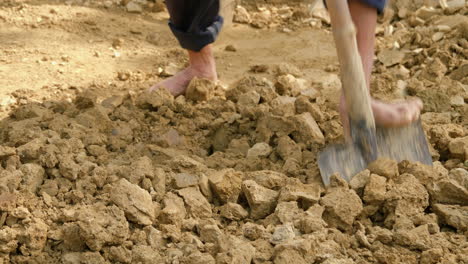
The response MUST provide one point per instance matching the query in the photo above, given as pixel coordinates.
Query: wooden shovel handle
(352, 74)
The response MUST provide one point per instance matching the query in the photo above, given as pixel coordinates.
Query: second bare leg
(385, 114)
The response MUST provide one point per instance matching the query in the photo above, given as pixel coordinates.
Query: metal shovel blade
(402, 143)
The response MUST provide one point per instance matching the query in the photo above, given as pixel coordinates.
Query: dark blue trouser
(377, 4)
(196, 23)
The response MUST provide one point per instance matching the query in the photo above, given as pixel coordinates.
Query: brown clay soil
(95, 170)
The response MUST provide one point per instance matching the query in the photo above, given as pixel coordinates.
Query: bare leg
(202, 65)
(385, 114)
(195, 24)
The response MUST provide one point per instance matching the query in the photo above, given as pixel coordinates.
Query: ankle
(201, 59)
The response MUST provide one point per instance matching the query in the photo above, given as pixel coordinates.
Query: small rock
(6, 151)
(233, 211)
(34, 175)
(259, 68)
(133, 7)
(253, 231)
(426, 12)
(174, 210)
(306, 194)
(204, 185)
(231, 48)
(259, 150)
(437, 36)
(283, 106)
(384, 167)
(282, 234)
(268, 179)
(402, 12)
(310, 93)
(200, 258)
(457, 74)
(113, 101)
(415, 21)
(155, 99)
(417, 238)
(117, 43)
(391, 57)
(454, 5)
(241, 15)
(21, 212)
(312, 221)
(169, 138)
(433, 255)
(459, 147)
(307, 130)
(288, 212)
(342, 206)
(197, 204)
(402, 72)
(235, 250)
(290, 255)
(200, 89)
(287, 69)
(85, 100)
(288, 84)
(443, 28)
(359, 181)
(453, 215)
(7, 202)
(108, 4)
(249, 99)
(303, 105)
(135, 201)
(448, 190)
(407, 198)
(262, 201)
(81, 257)
(319, 11)
(261, 19)
(144, 254)
(375, 190)
(100, 226)
(287, 148)
(434, 71)
(457, 100)
(210, 233)
(432, 118)
(7, 100)
(184, 180)
(382, 234)
(460, 176)
(226, 184)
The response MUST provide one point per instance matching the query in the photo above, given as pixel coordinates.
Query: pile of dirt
(284, 17)
(423, 53)
(230, 176)
(214, 177)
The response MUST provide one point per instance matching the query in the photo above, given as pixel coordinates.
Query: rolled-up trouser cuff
(197, 39)
(377, 4)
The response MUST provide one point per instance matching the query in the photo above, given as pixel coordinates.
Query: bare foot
(387, 114)
(202, 65)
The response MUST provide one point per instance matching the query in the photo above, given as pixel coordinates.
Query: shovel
(368, 142)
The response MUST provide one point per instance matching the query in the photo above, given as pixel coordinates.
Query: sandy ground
(95, 170)
(51, 46)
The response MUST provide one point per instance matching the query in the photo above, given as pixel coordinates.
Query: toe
(416, 107)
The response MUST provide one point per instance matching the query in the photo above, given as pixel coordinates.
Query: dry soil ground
(95, 170)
